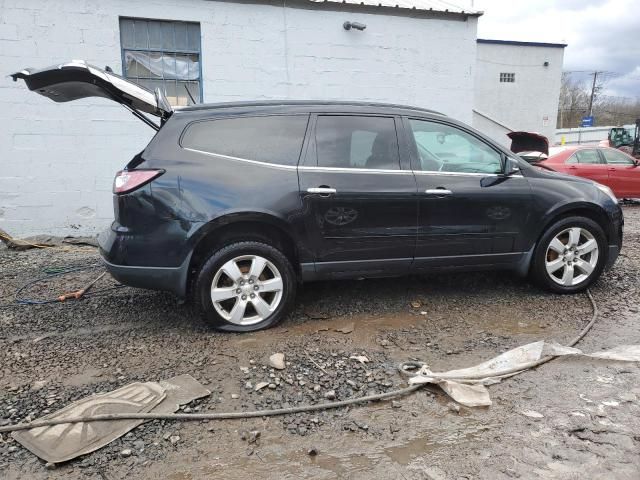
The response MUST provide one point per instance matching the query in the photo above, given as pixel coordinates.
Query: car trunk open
(76, 79)
(528, 142)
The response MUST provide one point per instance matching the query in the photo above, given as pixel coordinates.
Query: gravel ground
(51, 355)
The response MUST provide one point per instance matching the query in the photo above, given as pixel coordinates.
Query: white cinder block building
(58, 160)
(517, 87)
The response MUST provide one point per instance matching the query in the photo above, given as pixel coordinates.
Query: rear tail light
(129, 180)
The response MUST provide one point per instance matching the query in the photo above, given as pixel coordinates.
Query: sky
(602, 35)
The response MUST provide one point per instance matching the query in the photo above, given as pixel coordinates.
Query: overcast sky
(602, 34)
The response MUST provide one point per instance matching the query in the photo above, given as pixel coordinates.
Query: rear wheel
(570, 255)
(245, 286)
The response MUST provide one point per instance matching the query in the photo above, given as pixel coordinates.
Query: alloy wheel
(246, 290)
(572, 256)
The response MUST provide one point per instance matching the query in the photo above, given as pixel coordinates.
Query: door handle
(438, 191)
(322, 190)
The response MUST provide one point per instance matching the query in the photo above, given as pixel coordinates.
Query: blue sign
(587, 121)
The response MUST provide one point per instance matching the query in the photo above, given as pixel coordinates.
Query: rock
(272, 386)
(254, 435)
(248, 385)
(38, 384)
(628, 397)
(395, 404)
(277, 361)
(312, 452)
(235, 396)
(532, 414)
(174, 439)
(261, 385)
(360, 358)
(330, 395)
(50, 466)
(454, 407)
(126, 452)
(348, 328)
(416, 304)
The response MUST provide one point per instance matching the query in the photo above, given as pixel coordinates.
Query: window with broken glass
(164, 54)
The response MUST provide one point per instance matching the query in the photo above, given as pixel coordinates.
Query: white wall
(58, 160)
(524, 104)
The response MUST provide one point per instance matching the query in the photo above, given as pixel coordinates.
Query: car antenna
(190, 96)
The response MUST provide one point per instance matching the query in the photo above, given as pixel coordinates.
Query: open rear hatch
(74, 80)
(528, 142)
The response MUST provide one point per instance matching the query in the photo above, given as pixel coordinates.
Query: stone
(277, 361)
(532, 414)
(235, 396)
(261, 385)
(330, 395)
(174, 439)
(126, 452)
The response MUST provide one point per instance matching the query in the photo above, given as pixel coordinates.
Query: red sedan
(608, 166)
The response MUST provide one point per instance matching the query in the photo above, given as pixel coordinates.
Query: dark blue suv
(236, 204)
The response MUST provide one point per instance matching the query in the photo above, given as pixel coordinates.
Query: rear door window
(272, 139)
(349, 141)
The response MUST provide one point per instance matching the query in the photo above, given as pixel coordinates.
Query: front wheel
(245, 286)
(570, 256)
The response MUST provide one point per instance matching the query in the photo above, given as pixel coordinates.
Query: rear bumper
(169, 279)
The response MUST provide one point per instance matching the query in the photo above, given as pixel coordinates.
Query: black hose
(266, 413)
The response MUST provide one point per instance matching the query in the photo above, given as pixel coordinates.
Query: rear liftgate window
(275, 139)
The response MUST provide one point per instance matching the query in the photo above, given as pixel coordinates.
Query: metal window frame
(162, 50)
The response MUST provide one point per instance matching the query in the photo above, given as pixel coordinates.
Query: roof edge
(522, 44)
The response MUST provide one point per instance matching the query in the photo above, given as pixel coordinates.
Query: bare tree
(607, 110)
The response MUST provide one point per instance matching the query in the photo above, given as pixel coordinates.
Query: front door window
(442, 148)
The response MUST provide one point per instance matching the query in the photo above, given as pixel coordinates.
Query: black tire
(539, 272)
(202, 287)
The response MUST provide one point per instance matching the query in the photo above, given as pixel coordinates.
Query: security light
(358, 26)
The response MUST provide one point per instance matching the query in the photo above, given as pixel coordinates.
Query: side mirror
(511, 167)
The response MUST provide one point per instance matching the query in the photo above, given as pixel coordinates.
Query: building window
(164, 54)
(507, 77)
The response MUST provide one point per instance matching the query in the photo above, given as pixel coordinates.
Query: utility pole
(593, 91)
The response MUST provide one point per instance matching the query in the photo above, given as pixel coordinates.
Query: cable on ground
(279, 411)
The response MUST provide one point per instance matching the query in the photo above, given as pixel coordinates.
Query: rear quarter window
(271, 139)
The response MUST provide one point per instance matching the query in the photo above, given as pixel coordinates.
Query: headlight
(607, 191)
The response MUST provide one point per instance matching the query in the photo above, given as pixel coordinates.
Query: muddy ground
(53, 354)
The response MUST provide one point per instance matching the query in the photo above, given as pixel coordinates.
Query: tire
(264, 297)
(584, 267)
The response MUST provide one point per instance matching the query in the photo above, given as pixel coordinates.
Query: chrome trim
(321, 190)
(355, 170)
(438, 191)
(238, 159)
(456, 174)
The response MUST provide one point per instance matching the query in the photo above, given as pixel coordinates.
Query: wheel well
(242, 231)
(599, 217)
